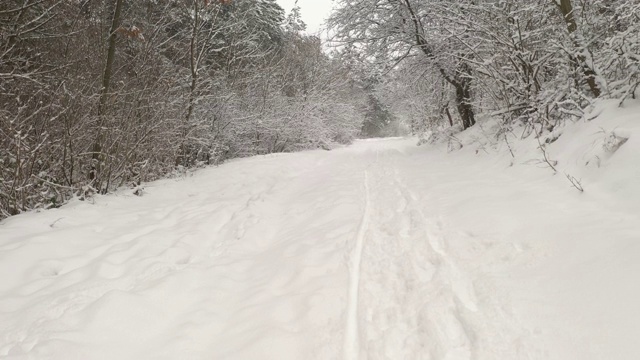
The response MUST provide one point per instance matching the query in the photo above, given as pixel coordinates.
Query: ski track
(411, 290)
(352, 343)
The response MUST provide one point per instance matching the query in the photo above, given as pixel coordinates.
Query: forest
(100, 94)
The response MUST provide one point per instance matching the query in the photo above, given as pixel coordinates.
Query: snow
(381, 250)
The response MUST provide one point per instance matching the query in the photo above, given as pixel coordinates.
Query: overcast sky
(313, 11)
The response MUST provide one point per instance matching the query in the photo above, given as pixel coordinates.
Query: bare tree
(566, 9)
(394, 30)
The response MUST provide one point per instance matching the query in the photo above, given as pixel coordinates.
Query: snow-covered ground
(382, 250)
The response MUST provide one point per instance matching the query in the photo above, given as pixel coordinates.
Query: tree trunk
(566, 9)
(183, 157)
(463, 97)
(448, 113)
(462, 83)
(193, 60)
(106, 83)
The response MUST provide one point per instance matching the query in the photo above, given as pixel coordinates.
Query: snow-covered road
(381, 250)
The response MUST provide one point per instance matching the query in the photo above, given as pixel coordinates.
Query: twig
(552, 163)
(53, 224)
(509, 145)
(575, 182)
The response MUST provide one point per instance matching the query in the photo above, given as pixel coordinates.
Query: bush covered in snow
(98, 95)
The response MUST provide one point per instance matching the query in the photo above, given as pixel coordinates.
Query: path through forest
(382, 250)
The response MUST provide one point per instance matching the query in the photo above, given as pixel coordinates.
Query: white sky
(313, 11)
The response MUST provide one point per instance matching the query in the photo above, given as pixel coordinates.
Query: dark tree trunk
(464, 106)
(193, 61)
(448, 113)
(183, 157)
(106, 84)
(566, 9)
(461, 82)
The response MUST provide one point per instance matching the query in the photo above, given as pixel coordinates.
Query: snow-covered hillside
(382, 250)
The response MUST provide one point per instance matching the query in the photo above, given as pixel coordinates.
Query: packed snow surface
(381, 250)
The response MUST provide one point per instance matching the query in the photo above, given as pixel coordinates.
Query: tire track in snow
(352, 340)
